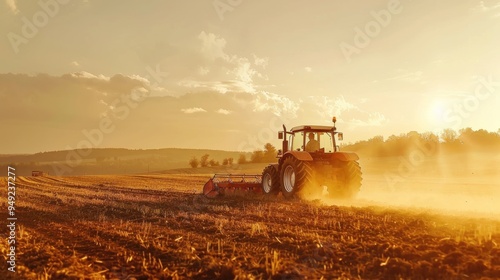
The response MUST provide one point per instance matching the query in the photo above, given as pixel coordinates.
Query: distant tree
(392, 138)
(397, 145)
(194, 162)
(228, 161)
(449, 136)
(413, 136)
(430, 137)
(374, 146)
(483, 137)
(269, 153)
(204, 160)
(478, 138)
(242, 159)
(212, 162)
(377, 139)
(257, 156)
(448, 141)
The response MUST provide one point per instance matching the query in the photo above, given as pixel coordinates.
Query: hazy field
(458, 184)
(439, 220)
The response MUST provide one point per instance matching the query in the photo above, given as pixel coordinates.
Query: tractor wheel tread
(303, 176)
(351, 181)
(275, 180)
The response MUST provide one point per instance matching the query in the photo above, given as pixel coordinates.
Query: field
(160, 226)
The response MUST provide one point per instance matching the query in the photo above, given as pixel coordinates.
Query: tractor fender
(300, 155)
(345, 156)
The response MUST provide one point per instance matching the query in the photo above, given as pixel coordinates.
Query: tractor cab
(311, 138)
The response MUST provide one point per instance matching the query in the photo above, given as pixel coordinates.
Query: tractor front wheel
(270, 180)
(294, 175)
(349, 183)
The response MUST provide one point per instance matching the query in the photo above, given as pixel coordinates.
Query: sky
(227, 74)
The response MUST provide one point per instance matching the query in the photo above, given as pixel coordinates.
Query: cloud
(218, 86)
(90, 76)
(75, 63)
(374, 119)
(212, 46)
(227, 72)
(220, 71)
(39, 107)
(51, 113)
(207, 66)
(12, 4)
(244, 74)
(345, 111)
(308, 69)
(194, 110)
(231, 73)
(329, 107)
(77, 97)
(486, 8)
(203, 71)
(277, 104)
(223, 112)
(262, 62)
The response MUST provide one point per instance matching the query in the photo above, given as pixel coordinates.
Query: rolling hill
(110, 160)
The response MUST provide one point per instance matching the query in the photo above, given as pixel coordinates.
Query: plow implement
(232, 184)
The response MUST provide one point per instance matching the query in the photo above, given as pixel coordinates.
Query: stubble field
(160, 226)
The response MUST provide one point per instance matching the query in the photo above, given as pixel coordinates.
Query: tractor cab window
(325, 141)
(319, 142)
(296, 141)
(314, 142)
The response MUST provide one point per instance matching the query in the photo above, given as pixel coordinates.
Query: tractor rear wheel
(349, 181)
(294, 175)
(270, 180)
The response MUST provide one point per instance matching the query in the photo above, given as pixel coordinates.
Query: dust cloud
(464, 184)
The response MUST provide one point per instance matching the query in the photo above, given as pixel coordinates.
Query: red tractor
(309, 161)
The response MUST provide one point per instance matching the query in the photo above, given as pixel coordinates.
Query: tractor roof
(319, 128)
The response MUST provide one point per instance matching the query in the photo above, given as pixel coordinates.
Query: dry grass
(158, 226)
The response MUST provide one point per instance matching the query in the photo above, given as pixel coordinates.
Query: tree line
(268, 154)
(448, 141)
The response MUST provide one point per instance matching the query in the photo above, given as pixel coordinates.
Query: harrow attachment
(232, 184)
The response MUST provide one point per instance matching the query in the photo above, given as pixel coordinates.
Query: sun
(436, 112)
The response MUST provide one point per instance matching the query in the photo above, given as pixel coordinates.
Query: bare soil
(161, 227)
